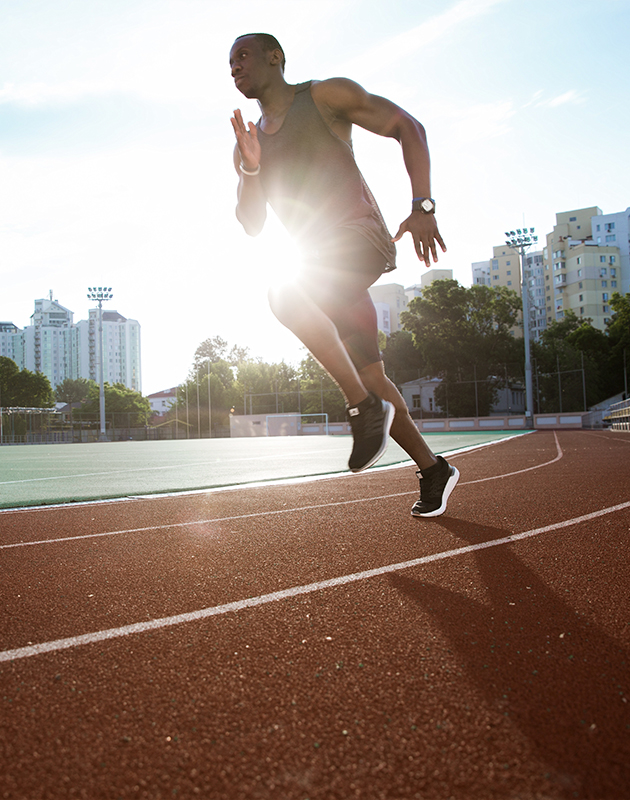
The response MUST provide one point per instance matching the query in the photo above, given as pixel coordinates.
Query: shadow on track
(561, 680)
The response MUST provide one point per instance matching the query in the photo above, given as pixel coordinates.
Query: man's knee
(285, 302)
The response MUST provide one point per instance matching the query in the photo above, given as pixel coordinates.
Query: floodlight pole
(100, 294)
(521, 240)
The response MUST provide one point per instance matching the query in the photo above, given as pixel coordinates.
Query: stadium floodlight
(521, 242)
(100, 295)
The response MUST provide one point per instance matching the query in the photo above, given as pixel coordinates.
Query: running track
(315, 641)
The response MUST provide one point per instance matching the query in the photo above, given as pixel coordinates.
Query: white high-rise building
(54, 345)
(121, 349)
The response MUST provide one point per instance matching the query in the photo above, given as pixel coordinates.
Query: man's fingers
(399, 235)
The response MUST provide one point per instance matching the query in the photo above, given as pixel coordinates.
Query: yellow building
(581, 275)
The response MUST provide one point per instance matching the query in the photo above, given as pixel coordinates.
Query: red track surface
(500, 671)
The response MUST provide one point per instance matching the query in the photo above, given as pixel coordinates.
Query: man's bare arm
(343, 103)
(251, 209)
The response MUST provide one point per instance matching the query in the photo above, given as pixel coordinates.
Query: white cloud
(571, 97)
(426, 33)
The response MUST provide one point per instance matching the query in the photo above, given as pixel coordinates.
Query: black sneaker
(370, 421)
(435, 487)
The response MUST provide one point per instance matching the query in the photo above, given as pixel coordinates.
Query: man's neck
(276, 101)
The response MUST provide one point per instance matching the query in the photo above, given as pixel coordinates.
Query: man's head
(267, 43)
(256, 62)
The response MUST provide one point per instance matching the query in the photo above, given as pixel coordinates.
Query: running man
(299, 159)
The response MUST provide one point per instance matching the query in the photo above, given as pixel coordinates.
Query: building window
(495, 277)
(581, 309)
(604, 295)
(572, 219)
(579, 273)
(612, 259)
(613, 284)
(613, 272)
(605, 309)
(610, 226)
(579, 259)
(597, 228)
(581, 298)
(602, 259)
(604, 284)
(417, 401)
(509, 283)
(603, 272)
(612, 237)
(495, 263)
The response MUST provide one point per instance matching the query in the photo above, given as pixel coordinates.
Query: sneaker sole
(451, 483)
(389, 418)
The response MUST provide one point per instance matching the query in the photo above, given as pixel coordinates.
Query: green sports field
(47, 474)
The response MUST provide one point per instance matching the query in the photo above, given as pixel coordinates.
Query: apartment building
(389, 300)
(504, 269)
(581, 271)
(585, 260)
(54, 345)
(121, 349)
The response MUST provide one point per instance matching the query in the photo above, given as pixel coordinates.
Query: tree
(619, 334)
(267, 388)
(320, 393)
(402, 359)
(119, 399)
(567, 347)
(73, 390)
(464, 336)
(23, 388)
(216, 349)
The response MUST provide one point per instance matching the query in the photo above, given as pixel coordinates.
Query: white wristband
(249, 172)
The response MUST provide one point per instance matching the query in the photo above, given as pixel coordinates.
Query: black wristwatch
(424, 204)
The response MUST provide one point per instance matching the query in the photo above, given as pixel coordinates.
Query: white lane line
(559, 455)
(294, 591)
(264, 513)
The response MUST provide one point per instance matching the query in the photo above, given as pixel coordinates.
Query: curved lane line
(294, 591)
(265, 513)
(559, 455)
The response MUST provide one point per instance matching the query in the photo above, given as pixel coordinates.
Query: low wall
(282, 425)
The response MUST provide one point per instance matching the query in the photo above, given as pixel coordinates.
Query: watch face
(426, 205)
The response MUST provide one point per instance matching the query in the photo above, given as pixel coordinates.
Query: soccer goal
(296, 424)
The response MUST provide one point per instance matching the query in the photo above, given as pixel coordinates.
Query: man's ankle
(361, 402)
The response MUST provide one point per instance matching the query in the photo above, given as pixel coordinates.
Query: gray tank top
(312, 181)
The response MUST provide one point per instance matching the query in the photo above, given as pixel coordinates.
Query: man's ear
(276, 57)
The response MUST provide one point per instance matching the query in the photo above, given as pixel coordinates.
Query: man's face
(249, 65)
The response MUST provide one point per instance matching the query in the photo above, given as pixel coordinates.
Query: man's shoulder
(336, 93)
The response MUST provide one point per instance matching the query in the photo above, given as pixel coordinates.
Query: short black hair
(267, 43)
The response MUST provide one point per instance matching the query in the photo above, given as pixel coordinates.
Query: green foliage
(464, 336)
(320, 393)
(403, 361)
(118, 399)
(23, 388)
(567, 347)
(216, 349)
(73, 390)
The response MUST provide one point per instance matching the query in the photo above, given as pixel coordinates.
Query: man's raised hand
(246, 141)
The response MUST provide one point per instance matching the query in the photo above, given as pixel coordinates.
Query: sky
(116, 145)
